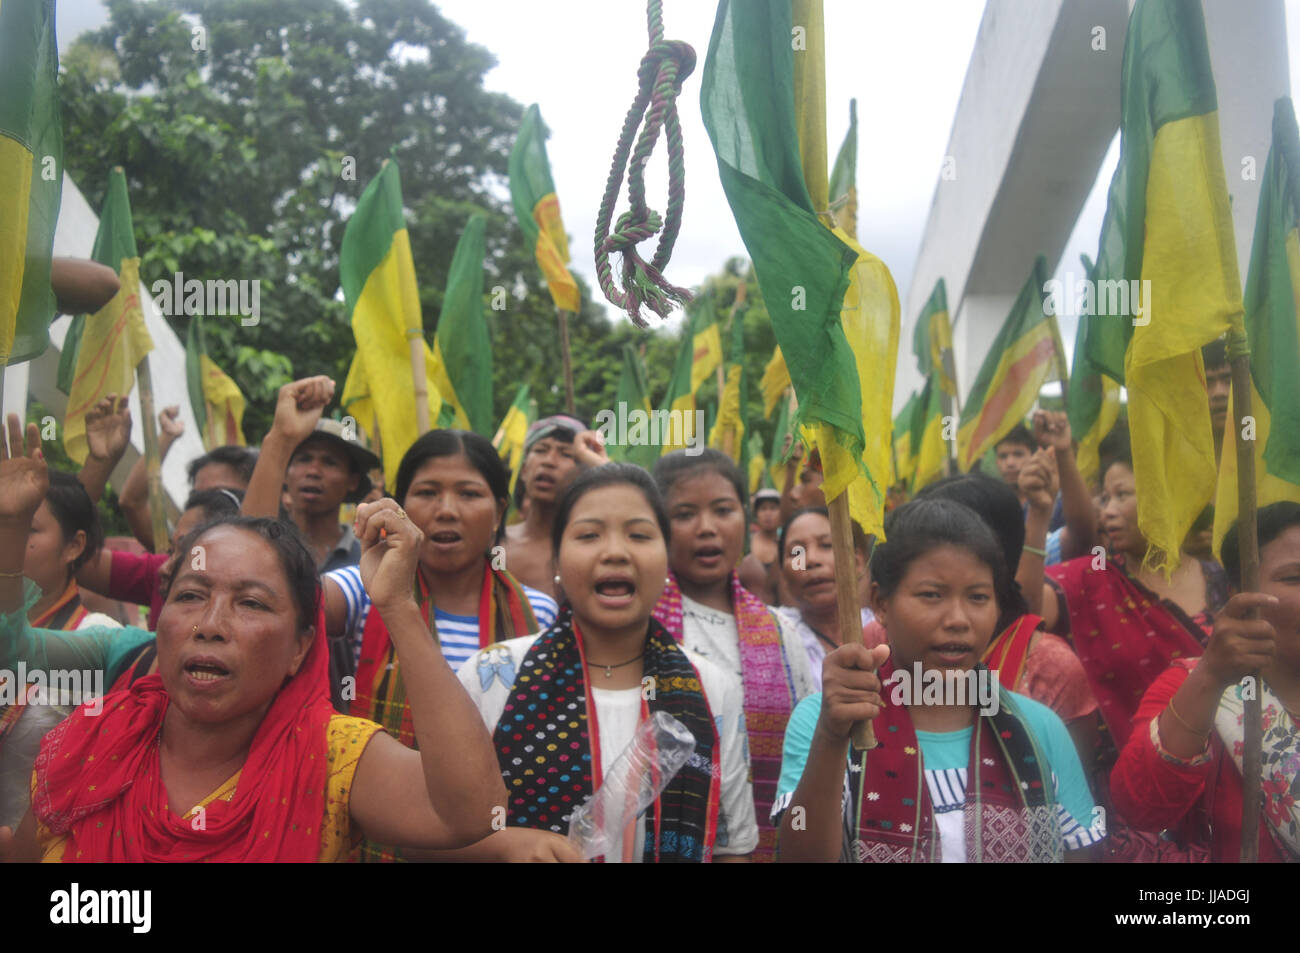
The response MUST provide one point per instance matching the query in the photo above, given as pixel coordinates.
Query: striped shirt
(457, 634)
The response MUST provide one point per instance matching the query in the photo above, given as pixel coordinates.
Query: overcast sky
(904, 60)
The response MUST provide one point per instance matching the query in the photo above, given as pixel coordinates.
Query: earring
(557, 579)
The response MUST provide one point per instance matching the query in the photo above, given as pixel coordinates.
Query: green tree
(248, 131)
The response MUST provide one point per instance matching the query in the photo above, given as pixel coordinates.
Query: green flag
(1092, 398)
(833, 306)
(844, 177)
(1273, 331)
(31, 175)
(1022, 357)
(114, 241)
(462, 349)
(538, 209)
(632, 395)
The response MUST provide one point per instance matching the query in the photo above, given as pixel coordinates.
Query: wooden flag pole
(952, 408)
(1248, 535)
(563, 318)
(846, 596)
(152, 460)
(415, 337)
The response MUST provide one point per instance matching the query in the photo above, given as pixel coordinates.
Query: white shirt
(489, 677)
(813, 647)
(714, 636)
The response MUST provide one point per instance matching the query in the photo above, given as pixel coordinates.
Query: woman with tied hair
(953, 778)
(236, 726)
(455, 488)
(705, 607)
(1182, 766)
(563, 705)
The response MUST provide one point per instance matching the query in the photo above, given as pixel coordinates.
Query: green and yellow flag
(927, 436)
(115, 339)
(509, 439)
(1092, 400)
(538, 209)
(1167, 238)
(904, 454)
(843, 185)
(1022, 358)
(1272, 303)
(784, 426)
(462, 349)
(932, 340)
(706, 352)
(679, 401)
(834, 306)
(31, 176)
(216, 400)
(731, 404)
(378, 278)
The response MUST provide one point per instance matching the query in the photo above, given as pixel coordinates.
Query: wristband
(1035, 550)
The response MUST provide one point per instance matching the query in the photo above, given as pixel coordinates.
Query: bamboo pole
(846, 596)
(152, 460)
(1248, 535)
(562, 317)
(952, 407)
(415, 337)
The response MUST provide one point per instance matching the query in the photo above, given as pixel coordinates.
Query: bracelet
(1174, 711)
(1035, 550)
(1205, 757)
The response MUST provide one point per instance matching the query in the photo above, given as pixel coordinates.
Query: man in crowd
(319, 464)
(224, 468)
(550, 459)
(758, 569)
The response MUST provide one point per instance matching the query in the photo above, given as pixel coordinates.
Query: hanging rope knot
(659, 81)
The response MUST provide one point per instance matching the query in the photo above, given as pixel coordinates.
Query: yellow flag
(775, 382)
(113, 343)
(225, 410)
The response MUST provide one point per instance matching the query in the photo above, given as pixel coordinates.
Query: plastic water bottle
(660, 747)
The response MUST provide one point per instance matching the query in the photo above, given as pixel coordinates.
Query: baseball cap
(548, 426)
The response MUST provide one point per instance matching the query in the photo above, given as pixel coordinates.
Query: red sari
(1123, 633)
(1202, 802)
(98, 779)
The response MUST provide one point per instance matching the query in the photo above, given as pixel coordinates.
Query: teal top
(94, 648)
(946, 754)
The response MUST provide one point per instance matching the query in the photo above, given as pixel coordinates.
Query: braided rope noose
(663, 68)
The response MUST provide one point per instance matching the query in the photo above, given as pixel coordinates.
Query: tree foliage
(237, 123)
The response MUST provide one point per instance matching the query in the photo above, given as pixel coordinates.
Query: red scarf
(98, 779)
(1007, 797)
(1008, 653)
(1123, 634)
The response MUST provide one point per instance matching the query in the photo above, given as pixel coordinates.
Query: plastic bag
(660, 747)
